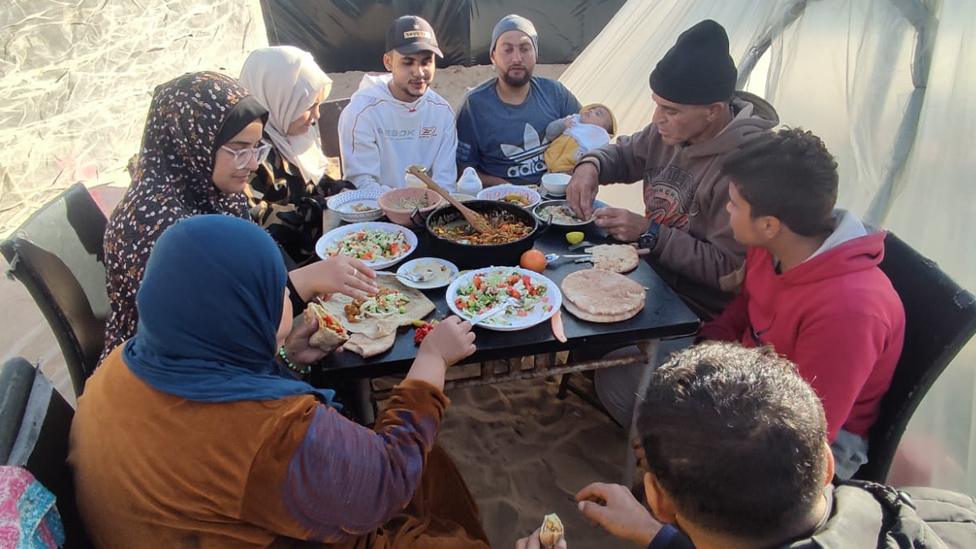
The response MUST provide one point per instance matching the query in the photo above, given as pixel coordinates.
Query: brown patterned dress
(173, 181)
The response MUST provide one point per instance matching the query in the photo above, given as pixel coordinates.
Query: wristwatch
(648, 240)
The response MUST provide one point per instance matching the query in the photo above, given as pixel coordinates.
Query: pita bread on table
(366, 347)
(372, 336)
(617, 258)
(597, 295)
(325, 338)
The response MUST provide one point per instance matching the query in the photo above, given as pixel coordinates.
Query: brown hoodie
(685, 192)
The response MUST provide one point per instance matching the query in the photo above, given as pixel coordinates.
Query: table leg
(361, 401)
(650, 349)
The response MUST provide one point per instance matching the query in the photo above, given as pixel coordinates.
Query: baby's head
(599, 115)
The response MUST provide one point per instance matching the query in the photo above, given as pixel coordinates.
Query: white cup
(411, 180)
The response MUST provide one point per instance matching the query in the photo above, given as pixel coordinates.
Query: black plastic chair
(57, 255)
(35, 422)
(940, 318)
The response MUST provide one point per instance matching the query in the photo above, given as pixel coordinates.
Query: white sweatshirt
(380, 136)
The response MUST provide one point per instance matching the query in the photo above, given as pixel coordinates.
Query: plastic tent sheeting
(895, 107)
(350, 35)
(76, 78)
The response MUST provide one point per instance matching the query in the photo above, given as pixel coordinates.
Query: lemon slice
(574, 237)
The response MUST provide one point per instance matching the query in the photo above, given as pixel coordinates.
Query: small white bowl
(446, 271)
(345, 205)
(501, 191)
(555, 183)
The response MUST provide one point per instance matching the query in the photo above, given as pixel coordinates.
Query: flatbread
(366, 346)
(603, 319)
(372, 336)
(324, 338)
(617, 258)
(418, 307)
(602, 296)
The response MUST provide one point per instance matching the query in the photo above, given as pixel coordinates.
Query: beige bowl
(398, 204)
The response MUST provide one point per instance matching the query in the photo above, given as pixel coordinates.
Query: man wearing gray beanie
(699, 119)
(502, 123)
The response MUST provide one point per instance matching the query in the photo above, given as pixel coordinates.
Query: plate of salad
(536, 298)
(376, 243)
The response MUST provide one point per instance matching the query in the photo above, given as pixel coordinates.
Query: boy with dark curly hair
(812, 288)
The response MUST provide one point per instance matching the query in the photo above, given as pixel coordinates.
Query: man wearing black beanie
(698, 121)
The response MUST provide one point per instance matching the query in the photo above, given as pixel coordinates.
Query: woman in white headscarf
(287, 193)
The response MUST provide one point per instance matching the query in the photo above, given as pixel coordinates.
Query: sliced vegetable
(557, 327)
(422, 330)
(488, 289)
(371, 244)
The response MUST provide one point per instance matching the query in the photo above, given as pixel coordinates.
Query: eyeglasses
(243, 157)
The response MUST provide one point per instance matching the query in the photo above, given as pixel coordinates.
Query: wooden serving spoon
(474, 218)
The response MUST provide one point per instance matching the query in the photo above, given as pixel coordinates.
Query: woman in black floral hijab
(201, 142)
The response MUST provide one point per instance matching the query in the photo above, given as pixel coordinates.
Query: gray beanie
(514, 22)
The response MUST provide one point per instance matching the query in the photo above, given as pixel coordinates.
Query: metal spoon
(493, 311)
(425, 276)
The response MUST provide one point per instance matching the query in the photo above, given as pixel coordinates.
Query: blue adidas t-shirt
(509, 141)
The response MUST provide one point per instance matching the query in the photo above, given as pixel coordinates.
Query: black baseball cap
(411, 34)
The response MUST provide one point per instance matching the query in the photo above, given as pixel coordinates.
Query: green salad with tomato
(371, 245)
(488, 289)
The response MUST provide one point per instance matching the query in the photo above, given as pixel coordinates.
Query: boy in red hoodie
(812, 288)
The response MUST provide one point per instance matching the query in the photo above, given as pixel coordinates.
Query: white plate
(546, 195)
(449, 272)
(343, 204)
(499, 192)
(505, 322)
(333, 236)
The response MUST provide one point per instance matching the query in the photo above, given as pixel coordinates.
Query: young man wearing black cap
(502, 123)
(699, 119)
(395, 120)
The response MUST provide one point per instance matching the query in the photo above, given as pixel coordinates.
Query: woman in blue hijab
(194, 432)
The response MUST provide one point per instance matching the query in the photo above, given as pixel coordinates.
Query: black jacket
(869, 515)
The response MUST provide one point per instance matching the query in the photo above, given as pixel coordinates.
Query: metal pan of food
(514, 231)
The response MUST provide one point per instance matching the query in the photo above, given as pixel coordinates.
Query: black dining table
(664, 316)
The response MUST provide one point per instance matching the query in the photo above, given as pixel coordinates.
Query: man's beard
(408, 90)
(516, 82)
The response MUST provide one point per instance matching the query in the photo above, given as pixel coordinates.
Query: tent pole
(926, 27)
(759, 47)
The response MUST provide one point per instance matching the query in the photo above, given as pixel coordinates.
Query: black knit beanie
(698, 69)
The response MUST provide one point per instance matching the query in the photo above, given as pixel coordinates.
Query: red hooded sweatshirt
(835, 315)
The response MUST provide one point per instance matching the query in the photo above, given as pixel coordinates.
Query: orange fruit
(533, 260)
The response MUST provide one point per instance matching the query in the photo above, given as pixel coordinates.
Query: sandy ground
(523, 452)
